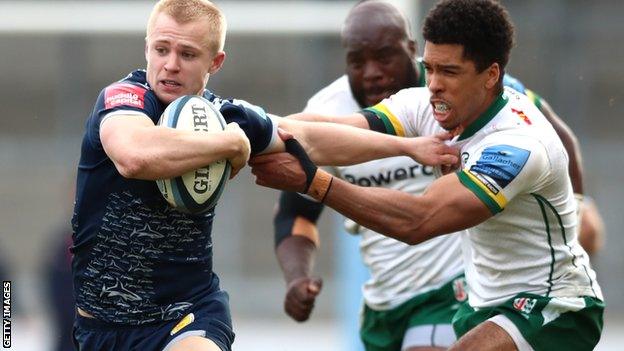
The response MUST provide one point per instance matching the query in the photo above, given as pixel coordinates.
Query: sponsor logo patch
(124, 94)
(499, 164)
(524, 304)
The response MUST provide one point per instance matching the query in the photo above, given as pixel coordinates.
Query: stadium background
(55, 56)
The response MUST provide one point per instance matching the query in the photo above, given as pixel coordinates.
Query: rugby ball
(196, 191)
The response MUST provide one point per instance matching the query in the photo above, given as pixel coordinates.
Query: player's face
(459, 94)
(178, 60)
(379, 63)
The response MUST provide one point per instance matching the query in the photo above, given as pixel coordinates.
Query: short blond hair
(184, 11)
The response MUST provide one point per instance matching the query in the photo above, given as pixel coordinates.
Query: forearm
(591, 232)
(158, 152)
(354, 120)
(296, 255)
(335, 144)
(393, 213)
(445, 207)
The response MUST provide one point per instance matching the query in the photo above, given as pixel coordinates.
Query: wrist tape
(318, 181)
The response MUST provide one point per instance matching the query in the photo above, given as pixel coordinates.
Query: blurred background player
(381, 59)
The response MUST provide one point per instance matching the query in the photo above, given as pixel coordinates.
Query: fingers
(301, 297)
(315, 286)
(448, 159)
(444, 136)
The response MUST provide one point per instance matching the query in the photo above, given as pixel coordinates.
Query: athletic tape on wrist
(318, 181)
(320, 185)
(294, 148)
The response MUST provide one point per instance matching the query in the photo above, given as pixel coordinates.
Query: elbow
(131, 167)
(414, 234)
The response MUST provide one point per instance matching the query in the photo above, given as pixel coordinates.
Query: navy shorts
(209, 318)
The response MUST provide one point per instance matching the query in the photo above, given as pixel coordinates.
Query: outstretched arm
(447, 206)
(337, 144)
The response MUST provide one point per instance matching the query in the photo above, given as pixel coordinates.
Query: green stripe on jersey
(540, 201)
(477, 190)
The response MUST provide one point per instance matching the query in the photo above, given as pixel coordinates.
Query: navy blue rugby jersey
(136, 259)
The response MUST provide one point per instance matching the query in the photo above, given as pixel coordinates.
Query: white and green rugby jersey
(514, 162)
(398, 271)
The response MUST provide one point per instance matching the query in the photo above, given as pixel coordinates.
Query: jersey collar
(485, 117)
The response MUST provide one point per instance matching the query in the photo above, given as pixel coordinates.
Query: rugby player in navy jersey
(143, 276)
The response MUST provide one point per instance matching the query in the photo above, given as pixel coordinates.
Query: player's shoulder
(335, 99)
(412, 97)
(136, 79)
(512, 82)
(338, 89)
(234, 105)
(130, 91)
(521, 107)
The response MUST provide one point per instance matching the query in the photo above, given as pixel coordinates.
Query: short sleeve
(500, 171)
(399, 113)
(119, 98)
(253, 120)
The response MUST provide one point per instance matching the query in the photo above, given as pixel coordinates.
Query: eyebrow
(442, 65)
(183, 46)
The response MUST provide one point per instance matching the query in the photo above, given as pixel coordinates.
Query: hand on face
(300, 297)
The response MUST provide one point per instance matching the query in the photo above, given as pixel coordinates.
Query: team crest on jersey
(459, 288)
(499, 165)
(522, 116)
(524, 304)
(124, 94)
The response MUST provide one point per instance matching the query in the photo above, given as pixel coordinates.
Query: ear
(493, 73)
(217, 62)
(146, 48)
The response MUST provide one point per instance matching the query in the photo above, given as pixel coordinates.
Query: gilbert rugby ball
(196, 191)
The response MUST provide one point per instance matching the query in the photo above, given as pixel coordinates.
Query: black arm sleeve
(292, 205)
(374, 122)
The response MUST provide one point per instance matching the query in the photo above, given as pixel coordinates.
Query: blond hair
(184, 11)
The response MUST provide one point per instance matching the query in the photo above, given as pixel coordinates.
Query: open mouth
(441, 107)
(441, 110)
(170, 83)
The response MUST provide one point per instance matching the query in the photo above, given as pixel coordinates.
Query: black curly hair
(482, 27)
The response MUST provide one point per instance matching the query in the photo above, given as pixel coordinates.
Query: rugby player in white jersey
(531, 283)
(414, 291)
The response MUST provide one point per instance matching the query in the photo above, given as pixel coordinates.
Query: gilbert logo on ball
(196, 191)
